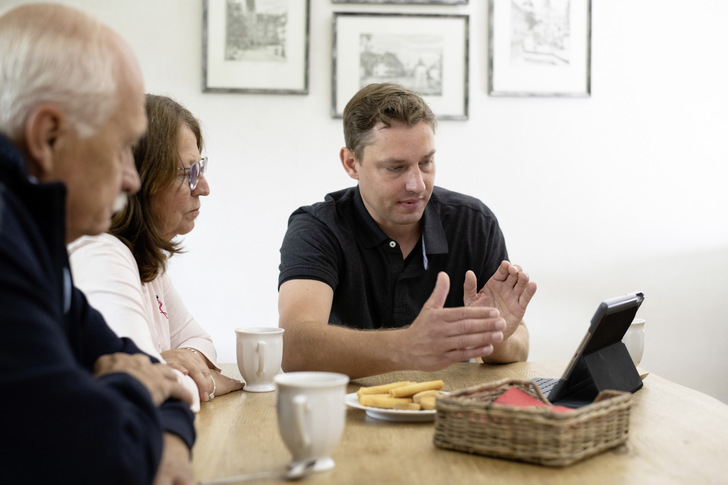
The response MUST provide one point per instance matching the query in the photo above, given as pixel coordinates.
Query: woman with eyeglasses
(123, 273)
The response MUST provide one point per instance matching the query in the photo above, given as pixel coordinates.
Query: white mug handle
(300, 405)
(261, 358)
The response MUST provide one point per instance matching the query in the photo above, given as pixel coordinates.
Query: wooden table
(677, 435)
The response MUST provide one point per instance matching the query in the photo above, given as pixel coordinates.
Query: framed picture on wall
(255, 46)
(404, 2)
(539, 48)
(425, 53)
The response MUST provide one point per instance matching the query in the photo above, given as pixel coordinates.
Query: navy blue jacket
(58, 423)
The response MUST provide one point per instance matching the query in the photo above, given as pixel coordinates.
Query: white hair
(54, 54)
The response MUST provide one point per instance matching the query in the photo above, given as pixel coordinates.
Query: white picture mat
(453, 29)
(258, 75)
(525, 79)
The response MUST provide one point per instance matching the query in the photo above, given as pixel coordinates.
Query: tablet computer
(601, 361)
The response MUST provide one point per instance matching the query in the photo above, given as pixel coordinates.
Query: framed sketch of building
(539, 48)
(425, 53)
(404, 2)
(255, 46)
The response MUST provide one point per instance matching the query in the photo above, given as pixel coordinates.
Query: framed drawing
(255, 46)
(540, 48)
(425, 53)
(404, 2)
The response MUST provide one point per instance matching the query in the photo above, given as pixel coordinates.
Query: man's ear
(42, 128)
(348, 160)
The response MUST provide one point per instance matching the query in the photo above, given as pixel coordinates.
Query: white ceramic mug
(634, 340)
(259, 353)
(311, 415)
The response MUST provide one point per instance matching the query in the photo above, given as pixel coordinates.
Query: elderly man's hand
(159, 379)
(175, 467)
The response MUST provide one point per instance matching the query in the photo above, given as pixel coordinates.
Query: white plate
(391, 414)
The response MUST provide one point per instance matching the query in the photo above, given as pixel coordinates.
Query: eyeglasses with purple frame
(196, 170)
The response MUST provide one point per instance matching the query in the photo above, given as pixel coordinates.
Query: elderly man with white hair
(80, 405)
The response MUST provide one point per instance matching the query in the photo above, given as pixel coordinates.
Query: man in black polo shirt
(364, 284)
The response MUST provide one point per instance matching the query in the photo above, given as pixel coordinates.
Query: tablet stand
(612, 368)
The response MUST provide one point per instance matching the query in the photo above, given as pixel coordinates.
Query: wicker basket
(468, 420)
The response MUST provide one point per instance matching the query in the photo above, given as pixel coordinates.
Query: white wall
(621, 191)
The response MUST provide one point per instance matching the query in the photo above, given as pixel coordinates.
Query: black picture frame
(428, 53)
(539, 48)
(265, 51)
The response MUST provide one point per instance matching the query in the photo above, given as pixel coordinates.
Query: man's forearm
(356, 353)
(514, 349)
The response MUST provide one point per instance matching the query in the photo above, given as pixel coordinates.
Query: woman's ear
(348, 160)
(42, 129)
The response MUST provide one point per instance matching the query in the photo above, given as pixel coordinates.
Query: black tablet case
(602, 360)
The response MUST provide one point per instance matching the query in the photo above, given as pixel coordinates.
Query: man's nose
(415, 182)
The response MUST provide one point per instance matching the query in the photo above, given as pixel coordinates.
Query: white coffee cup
(259, 353)
(634, 340)
(311, 415)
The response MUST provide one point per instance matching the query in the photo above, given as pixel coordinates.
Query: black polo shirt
(337, 242)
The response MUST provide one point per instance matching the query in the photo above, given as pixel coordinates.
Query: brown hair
(156, 157)
(381, 103)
